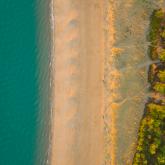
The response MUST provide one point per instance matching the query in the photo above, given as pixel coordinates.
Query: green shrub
(163, 34)
(152, 72)
(161, 159)
(162, 55)
(153, 53)
(159, 13)
(161, 75)
(161, 156)
(151, 144)
(153, 148)
(159, 87)
(156, 19)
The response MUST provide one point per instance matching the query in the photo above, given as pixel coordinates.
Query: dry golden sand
(77, 130)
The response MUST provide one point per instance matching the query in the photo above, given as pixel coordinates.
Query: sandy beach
(78, 65)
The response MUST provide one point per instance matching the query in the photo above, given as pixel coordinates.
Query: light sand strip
(111, 77)
(78, 87)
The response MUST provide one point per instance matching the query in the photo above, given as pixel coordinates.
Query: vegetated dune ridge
(77, 92)
(126, 63)
(110, 88)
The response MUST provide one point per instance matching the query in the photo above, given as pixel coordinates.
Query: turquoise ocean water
(24, 81)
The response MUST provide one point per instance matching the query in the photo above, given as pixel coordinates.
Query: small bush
(162, 34)
(159, 87)
(161, 75)
(154, 28)
(152, 73)
(151, 144)
(162, 55)
(153, 53)
(159, 13)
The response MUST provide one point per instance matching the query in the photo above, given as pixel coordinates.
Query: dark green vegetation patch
(151, 143)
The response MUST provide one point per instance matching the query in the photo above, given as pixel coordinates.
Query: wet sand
(78, 101)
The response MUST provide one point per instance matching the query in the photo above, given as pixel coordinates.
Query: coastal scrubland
(151, 142)
(100, 78)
